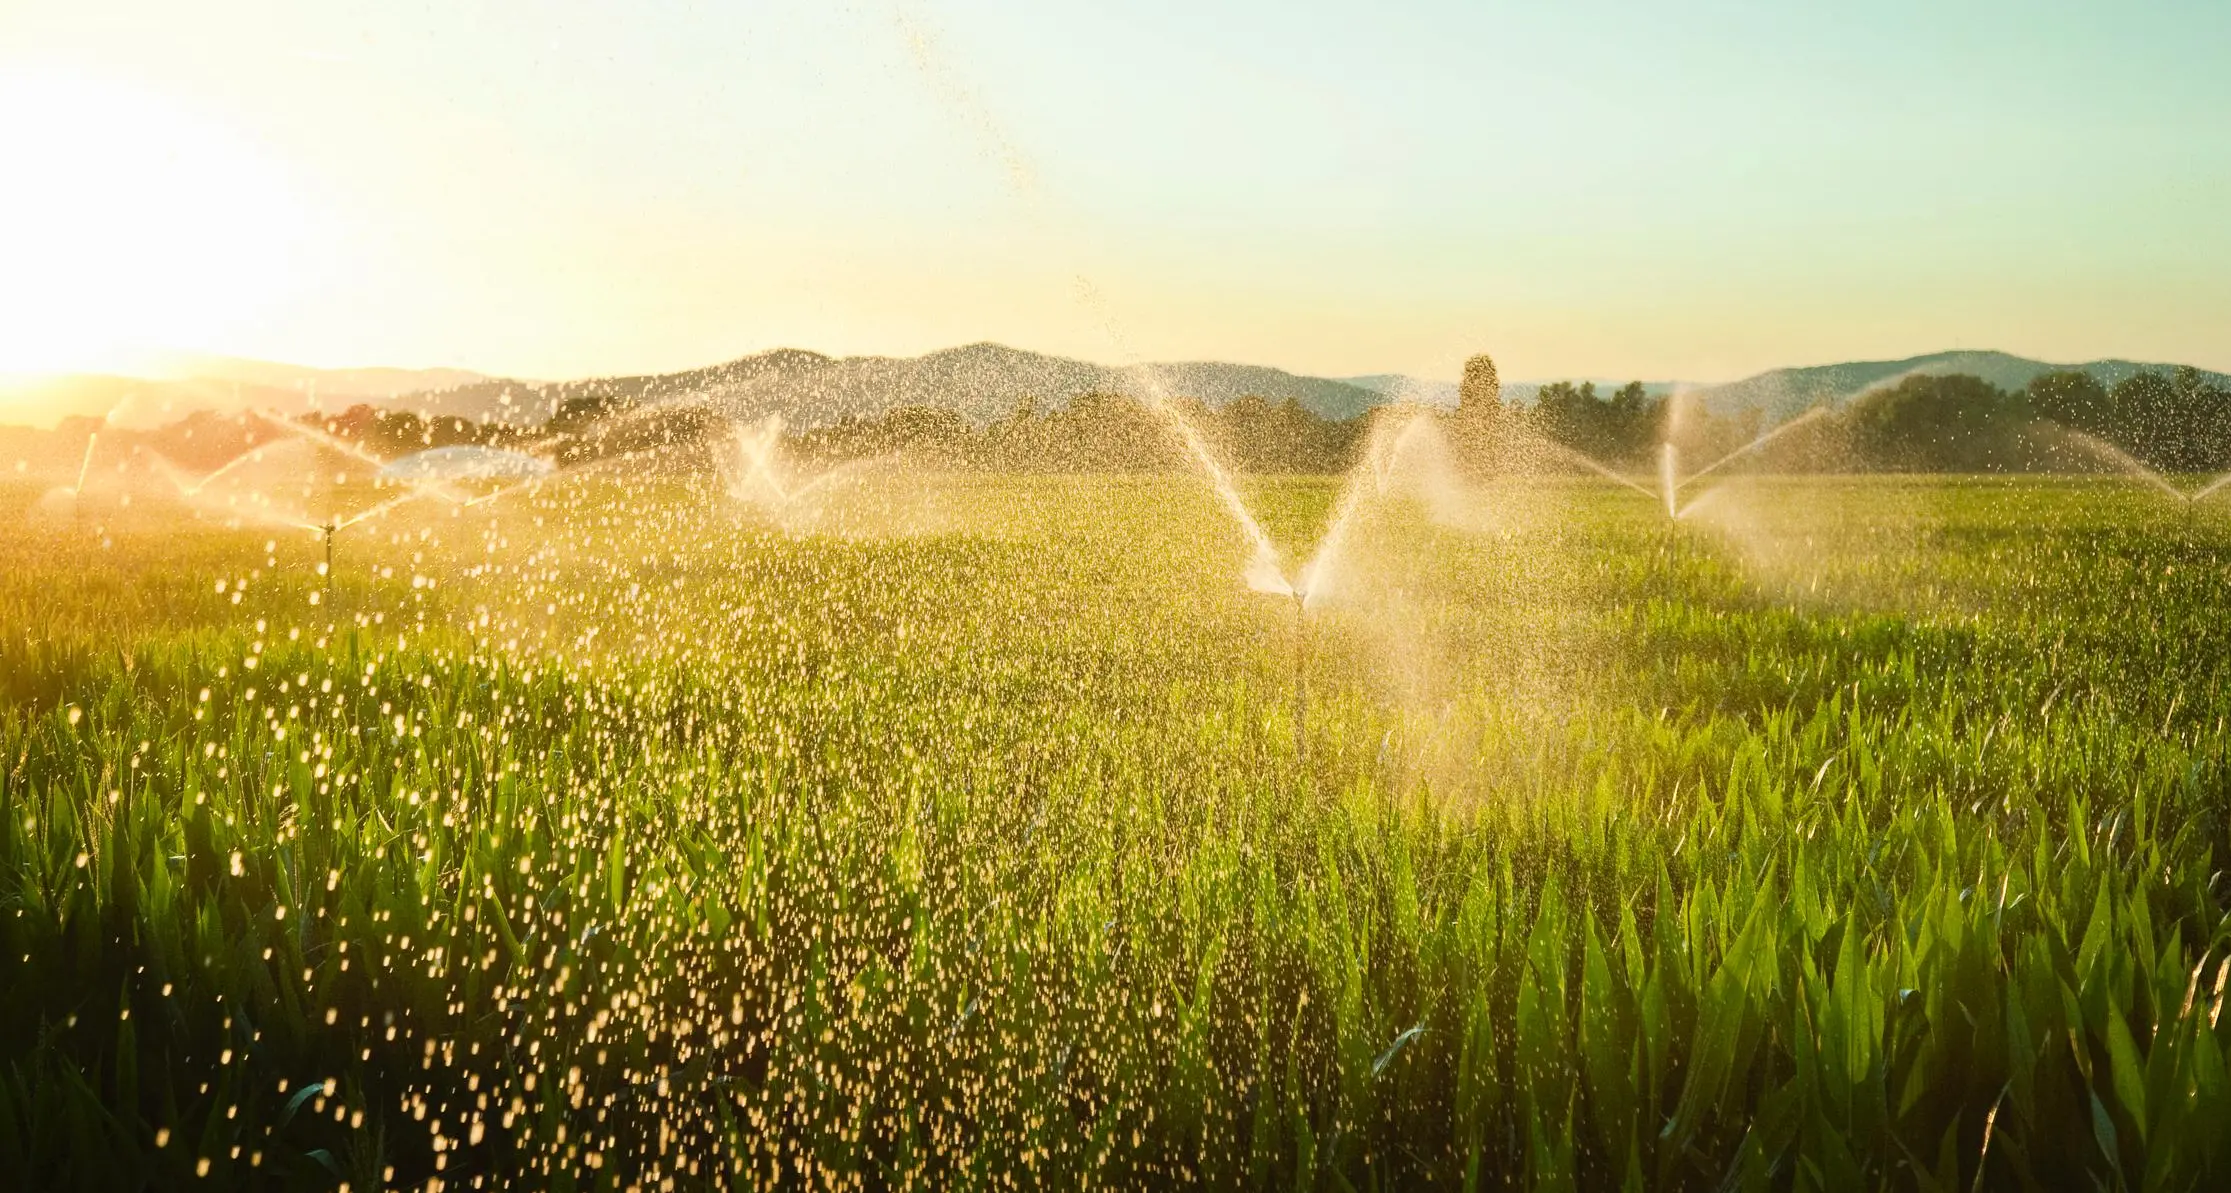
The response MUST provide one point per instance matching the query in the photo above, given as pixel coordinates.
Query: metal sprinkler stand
(1301, 672)
(330, 527)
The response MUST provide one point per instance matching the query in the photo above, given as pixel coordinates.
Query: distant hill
(1396, 387)
(1400, 387)
(367, 383)
(129, 401)
(185, 383)
(981, 381)
(1782, 392)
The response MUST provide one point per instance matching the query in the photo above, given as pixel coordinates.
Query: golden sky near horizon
(1620, 190)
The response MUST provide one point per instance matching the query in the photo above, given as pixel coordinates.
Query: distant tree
(933, 430)
(399, 432)
(2144, 418)
(2203, 413)
(2070, 397)
(1925, 423)
(1559, 415)
(1017, 441)
(1481, 391)
(1624, 427)
(1637, 421)
(1249, 430)
(1112, 433)
(1480, 418)
(1282, 436)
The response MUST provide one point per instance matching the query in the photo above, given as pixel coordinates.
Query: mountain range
(180, 384)
(981, 381)
(1781, 392)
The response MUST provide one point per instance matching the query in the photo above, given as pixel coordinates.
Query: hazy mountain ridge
(133, 400)
(186, 383)
(986, 381)
(982, 381)
(1782, 392)
(373, 382)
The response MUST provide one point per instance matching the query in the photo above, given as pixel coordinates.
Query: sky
(556, 188)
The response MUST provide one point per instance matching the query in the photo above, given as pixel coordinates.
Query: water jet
(2131, 465)
(1671, 483)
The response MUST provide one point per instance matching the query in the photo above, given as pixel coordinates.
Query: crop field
(987, 832)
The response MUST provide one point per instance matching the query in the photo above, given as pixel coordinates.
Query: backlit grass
(1850, 833)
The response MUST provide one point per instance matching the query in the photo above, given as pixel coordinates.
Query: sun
(130, 224)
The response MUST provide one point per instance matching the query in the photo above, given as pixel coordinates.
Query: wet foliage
(940, 830)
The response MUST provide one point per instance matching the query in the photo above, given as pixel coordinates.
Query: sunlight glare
(129, 224)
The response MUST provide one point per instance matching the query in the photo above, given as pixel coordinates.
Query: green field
(1851, 833)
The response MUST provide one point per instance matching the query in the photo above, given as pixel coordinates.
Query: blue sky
(1697, 190)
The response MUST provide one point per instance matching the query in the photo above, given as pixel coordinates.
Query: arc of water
(1265, 572)
(579, 470)
(2131, 465)
(2211, 487)
(373, 511)
(85, 466)
(1770, 436)
(330, 442)
(1266, 564)
(334, 443)
(506, 490)
(758, 447)
(754, 472)
(1593, 465)
(1372, 477)
(833, 475)
(1383, 459)
(93, 440)
(260, 510)
(293, 430)
(252, 454)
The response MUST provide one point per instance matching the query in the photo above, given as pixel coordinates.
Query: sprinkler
(84, 469)
(1301, 672)
(1669, 483)
(330, 527)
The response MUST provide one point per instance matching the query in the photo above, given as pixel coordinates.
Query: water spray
(1594, 465)
(1671, 482)
(2132, 466)
(1373, 476)
(84, 468)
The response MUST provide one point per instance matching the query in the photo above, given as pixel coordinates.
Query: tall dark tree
(1481, 391)
(1477, 426)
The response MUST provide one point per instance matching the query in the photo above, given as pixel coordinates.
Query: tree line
(2174, 422)
(2170, 422)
